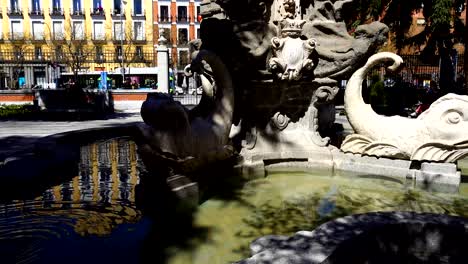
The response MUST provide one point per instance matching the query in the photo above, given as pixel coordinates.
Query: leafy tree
(443, 28)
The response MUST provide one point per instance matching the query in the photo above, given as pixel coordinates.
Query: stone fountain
(270, 71)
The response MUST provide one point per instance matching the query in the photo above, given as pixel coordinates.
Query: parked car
(178, 90)
(194, 91)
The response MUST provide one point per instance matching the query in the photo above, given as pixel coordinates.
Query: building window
(38, 53)
(78, 30)
(118, 52)
(18, 53)
(182, 13)
(56, 4)
(97, 4)
(36, 6)
(17, 30)
(183, 36)
(118, 31)
(97, 7)
(38, 30)
(163, 14)
(99, 54)
(56, 7)
(98, 30)
(139, 52)
(57, 28)
(166, 33)
(198, 18)
(77, 7)
(15, 6)
(138, 31)
(138, 8)
(184, 58)
(117, 7)
(198, 33)
(58, 53)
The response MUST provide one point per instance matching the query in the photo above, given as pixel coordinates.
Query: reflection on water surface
(80, 220)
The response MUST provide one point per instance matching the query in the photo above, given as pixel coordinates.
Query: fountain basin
(379, 237)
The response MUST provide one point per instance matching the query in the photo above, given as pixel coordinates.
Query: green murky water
(286, 203)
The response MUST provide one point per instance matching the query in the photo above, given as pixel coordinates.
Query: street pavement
(21, 136)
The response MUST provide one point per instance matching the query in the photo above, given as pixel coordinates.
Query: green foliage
(441, 17)
(377, 93)
(15, 111)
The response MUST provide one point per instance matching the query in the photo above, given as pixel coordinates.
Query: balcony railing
(78, 36)
(56, 11)
(100, 58)
(58, 36)
(164, 19)
(182, 41)
(38, 57)
(77, 12)
(140, 37)
(92, 57)
(36, 12)
(98, 11)
(99, 37)
(23, 57)
(14, 11)
(37, 37)
(139, 57)
(116, 12)
(17, 36)
(182, 19)
(139, 13)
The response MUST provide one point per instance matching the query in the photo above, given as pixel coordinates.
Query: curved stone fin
(438, 151)
(360, 144)
(355, 143)
(382, 149)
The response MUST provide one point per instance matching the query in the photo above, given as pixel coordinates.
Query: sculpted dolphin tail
(217, 103)
(439, 134)
(359, 113)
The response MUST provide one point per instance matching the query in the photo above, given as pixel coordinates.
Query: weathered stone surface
(438, 177)
(185, 189)
(357, 165)
(433, 176)
(196, 137)
(383, 237)
(286, 57)
(438, 134)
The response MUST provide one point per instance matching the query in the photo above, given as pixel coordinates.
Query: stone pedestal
(163, 66)
(284, 123)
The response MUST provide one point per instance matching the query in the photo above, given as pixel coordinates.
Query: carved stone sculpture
(175, 134)
(286, 58)
(290, 53)
(281, 60)
(438, 134)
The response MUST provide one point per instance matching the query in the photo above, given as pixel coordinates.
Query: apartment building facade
(40, 40)
(179, 22)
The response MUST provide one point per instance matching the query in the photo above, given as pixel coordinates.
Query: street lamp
(122, 4)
